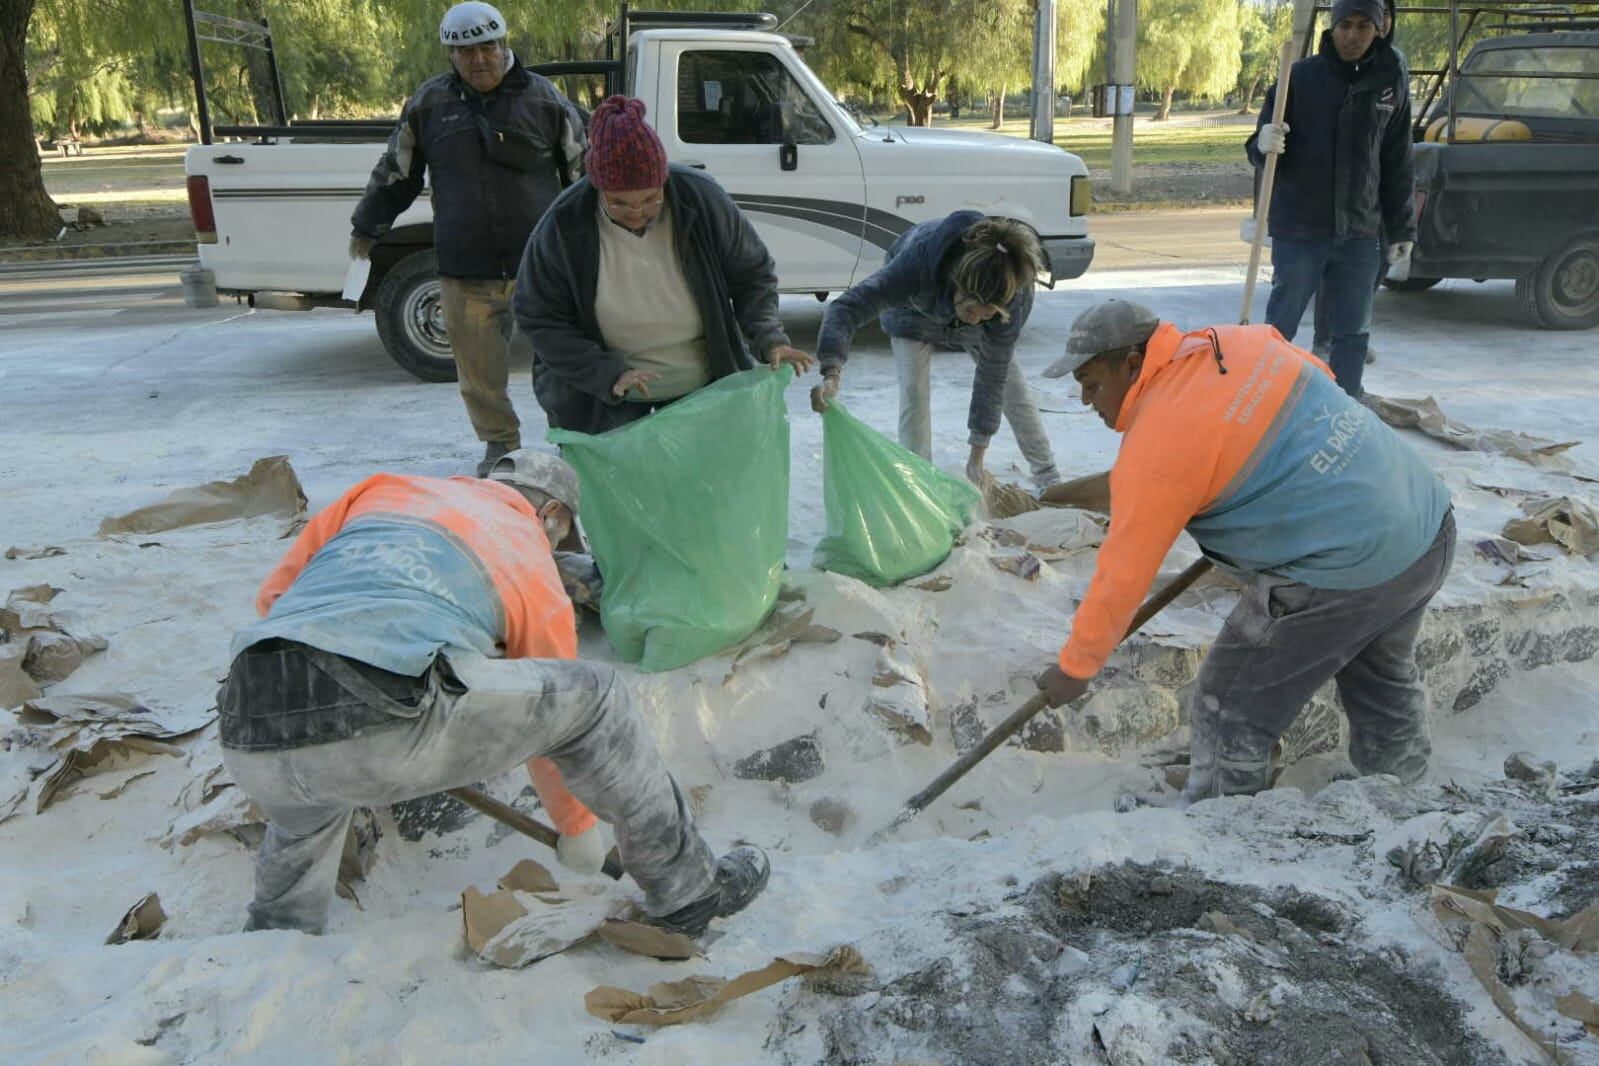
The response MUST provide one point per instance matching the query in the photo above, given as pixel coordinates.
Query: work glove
(1399, 250)
(823, 395)
(1059, 687)
(361, 247)
(583, 853)
(1272, 138)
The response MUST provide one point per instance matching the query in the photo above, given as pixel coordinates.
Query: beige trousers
(477, 312)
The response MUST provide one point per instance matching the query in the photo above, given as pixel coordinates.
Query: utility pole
(1304, 20)
(1123, 32)
(1044, 72)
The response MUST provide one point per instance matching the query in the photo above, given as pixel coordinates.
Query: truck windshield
(1516, 81)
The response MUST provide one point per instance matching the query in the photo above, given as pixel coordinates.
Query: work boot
(492, 451)
(740, 876)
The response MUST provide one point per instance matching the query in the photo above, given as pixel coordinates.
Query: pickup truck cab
(1513, 193)
(827, 193)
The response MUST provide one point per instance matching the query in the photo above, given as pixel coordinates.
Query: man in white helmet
(416, 638)
(499, 143)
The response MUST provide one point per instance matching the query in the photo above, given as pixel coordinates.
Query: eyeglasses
(614, 208)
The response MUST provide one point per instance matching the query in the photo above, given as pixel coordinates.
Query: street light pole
(1044, 72)
(1123, 54)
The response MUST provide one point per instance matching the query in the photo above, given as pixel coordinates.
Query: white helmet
(471, 23)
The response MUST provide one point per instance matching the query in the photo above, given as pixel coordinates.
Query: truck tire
(1410, 284)
(410, 315)
(1563, 293)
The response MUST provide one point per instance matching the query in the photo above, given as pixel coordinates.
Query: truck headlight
(1082, 195)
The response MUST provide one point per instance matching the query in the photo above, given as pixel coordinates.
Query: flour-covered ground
(1020, 920)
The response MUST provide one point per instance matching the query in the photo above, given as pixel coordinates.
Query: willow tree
(1191, 46)
(917, 48)
(68, 61)
(1263, 31)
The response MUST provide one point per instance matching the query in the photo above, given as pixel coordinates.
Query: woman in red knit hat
(642, 283)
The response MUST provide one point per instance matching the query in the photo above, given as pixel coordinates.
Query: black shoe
(492, 451)
(740, 876)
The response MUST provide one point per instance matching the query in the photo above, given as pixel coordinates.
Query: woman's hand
(634, 379)
(974, 465)
(823, 395)
(782, 355)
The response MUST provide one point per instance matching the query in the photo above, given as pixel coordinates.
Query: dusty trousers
(913, 363)
(477, 314)
(1285, 640)
(479, 718)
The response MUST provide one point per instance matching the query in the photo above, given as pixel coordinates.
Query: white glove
(361, 247)
(1272, 138)
(583, 853)
(1399, 250)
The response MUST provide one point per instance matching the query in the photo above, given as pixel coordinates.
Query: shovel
(1268, 181)
(509, 816)
(1025, 713)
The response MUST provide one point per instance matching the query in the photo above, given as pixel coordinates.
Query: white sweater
(646, 310)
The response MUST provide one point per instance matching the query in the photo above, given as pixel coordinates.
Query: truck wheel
(410, 315)
(1563, 293)
(1410, 284)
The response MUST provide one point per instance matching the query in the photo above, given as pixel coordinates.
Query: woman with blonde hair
(965, 281)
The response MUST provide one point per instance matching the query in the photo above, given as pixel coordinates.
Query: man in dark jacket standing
(500, 142)
(1344, 181)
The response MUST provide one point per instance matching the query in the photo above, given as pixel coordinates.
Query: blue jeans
(1345, 269)
(1323, 338)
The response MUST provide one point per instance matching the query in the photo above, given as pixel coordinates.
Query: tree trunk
(1165, 104)
(999, 108)
(26, 210)
(919, 102)
(1249, 96)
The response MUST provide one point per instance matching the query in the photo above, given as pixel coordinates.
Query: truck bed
(1495, 210)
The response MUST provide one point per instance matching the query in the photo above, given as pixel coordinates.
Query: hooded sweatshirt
(1270, 466)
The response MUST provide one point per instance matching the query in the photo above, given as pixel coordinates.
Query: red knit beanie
(624, 153)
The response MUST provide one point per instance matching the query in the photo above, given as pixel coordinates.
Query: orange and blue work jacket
(1249, 444)
(400, 569)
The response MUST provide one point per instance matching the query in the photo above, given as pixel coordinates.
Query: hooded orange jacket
(1248, 442)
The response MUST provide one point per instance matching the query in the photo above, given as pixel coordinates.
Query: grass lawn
(1153, 142)
(106, 175)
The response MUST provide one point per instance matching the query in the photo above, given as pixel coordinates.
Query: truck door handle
(230, 159)
(692, 163)
(788, 156)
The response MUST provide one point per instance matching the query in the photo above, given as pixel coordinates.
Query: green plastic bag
(687, 513)
(891, 515)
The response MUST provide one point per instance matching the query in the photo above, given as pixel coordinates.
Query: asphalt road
(1123, 240)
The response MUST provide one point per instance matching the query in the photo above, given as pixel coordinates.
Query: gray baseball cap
(538, 468)
(1105, 327)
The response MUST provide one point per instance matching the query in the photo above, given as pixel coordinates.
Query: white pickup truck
(827, 194)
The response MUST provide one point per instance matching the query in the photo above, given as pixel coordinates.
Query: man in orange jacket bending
(1341, 530)
(417, 638)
